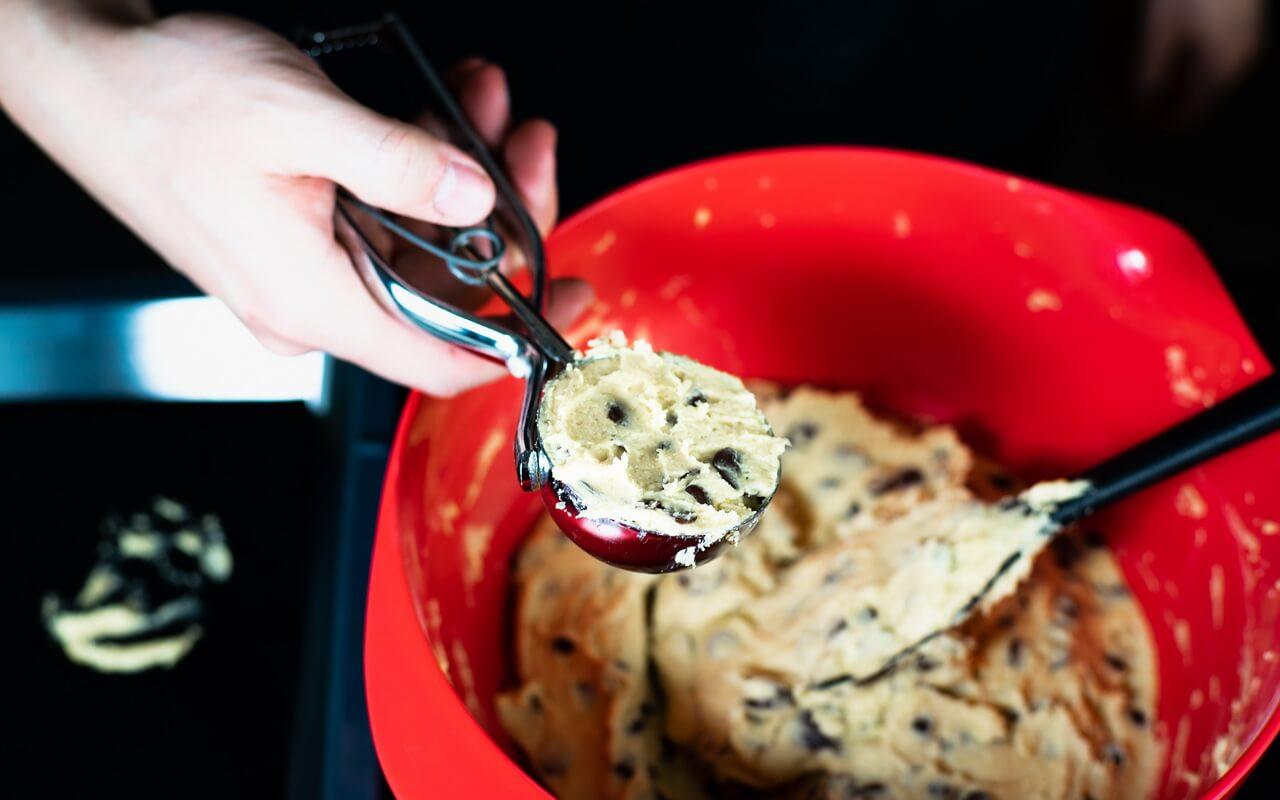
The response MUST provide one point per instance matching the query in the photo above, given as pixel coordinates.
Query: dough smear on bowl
(741, 676)
(658, 441)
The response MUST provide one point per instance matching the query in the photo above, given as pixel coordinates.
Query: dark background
(1041, 89)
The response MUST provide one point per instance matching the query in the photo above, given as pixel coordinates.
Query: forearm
(51, 44)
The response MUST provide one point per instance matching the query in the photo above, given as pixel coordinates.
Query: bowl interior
(1051, 329)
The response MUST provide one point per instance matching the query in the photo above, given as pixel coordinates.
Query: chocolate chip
(616, 413)
(695, 399)
(753, 501)
(1068, 607)
(665, 444)
(869, 613)
(1010, 716)
(922, 725)
(802, 433)
(698, 493)
(1114, 754)
(1137, 717)
(812, 737)
(626, 770)
(636, 726)
(896, 481)
(925, 664)
(1000, 481)
(1014, 652)
(672, 419)
(976, 794)
(870, 790)
(1116, 662)
(535, 704)
(727, 462)
(837, 628)
(853, 510)
(563, 644)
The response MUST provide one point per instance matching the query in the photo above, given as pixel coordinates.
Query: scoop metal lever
(534, 350)
(530, 348)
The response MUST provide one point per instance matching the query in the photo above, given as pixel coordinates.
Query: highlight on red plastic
(1050, 328)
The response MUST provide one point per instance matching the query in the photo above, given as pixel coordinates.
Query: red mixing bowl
(1051, 329)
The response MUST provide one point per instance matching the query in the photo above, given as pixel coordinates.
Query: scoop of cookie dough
(658, 441)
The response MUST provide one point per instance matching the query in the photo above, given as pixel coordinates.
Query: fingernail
(464, 194)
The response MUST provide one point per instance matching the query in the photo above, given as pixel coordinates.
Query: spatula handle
(1241, 418)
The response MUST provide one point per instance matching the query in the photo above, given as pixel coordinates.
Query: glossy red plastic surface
(627, 547)
(1052, 329)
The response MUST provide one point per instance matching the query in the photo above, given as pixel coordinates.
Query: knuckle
(404, 154)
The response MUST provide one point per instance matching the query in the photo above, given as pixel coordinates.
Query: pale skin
(220, 145)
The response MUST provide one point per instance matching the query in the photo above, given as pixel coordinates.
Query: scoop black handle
(1241, 418)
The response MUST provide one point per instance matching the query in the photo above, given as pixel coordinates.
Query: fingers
(1164, 32)
(361, 331)
(388, 163)
(482, 90)
(567, 298)
(531, 161)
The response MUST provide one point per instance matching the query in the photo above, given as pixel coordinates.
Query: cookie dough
(1049, 690)
(584, 713)
(658, 441)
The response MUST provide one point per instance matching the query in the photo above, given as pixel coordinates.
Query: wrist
(48, 41)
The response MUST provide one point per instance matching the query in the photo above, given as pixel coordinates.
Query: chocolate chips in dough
(752, 687)
(658, 441)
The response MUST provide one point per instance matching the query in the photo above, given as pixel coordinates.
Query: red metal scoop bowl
(1053, 330)
(634, 549)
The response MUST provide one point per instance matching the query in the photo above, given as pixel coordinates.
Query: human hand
(1194, 50)
(221, 144)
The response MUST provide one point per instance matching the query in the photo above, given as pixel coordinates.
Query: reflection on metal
(190, 348)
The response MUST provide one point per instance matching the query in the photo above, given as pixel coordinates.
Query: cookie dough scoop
(662, 489)
(648, 461)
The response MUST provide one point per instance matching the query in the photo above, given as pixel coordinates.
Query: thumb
(390, 164)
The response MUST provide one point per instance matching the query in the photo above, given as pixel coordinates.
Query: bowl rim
(404, 685)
